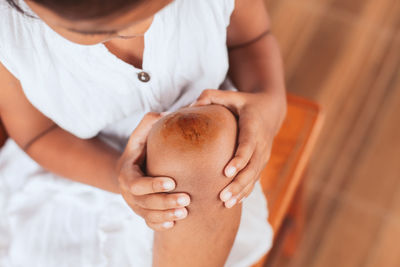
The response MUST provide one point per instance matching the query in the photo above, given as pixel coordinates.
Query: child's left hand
(260, 118)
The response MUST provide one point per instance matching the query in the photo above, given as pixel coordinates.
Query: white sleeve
(229, 6)
(14, 31)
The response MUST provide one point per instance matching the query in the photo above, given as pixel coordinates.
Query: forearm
(90, 161)
(258, 68)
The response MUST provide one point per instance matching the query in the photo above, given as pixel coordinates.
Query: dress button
(144, 76)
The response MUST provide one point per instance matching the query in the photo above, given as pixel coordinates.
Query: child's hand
(145, 194)
(260, 118)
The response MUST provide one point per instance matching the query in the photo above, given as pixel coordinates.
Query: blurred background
(345, 55)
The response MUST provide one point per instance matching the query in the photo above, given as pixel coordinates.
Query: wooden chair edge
(301, 162)
(305, 155)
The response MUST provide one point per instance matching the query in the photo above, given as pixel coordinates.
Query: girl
(77, 77)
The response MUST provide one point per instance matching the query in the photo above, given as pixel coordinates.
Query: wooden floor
(345, 54)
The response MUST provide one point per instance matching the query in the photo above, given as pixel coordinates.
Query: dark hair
(82, 9)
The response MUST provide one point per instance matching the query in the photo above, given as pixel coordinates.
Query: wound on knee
(190, 129)
(194, 141)
(194, 128)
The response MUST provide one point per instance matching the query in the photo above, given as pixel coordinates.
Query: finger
(241, 181)
(246, 192)
(160, 216)
(161, 226)
(148, 185)
(162, 201)
(239, 197)
(266, 157)
(206, 97)
(229, 99)
(138, 138)
(246, 148)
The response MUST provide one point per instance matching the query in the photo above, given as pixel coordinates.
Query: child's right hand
(146, 195)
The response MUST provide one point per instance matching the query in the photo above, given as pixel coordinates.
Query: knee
(193, 145)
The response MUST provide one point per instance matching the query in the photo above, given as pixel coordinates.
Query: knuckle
(123, 176)
(202, 95)
(121, 181)
(124, 166)
(253, 127)
(246, 146)
(237, 186)
(242, 183)
(152, 115)
(171, 202)
(239, 162)
(247, 176)
(246, 192)
(160, 216)
(135, 187)
(154, 217)
(174, 202)
(168, 216)
(248, 143)
(146, 202)
(208, 91)
(155, 186)
(159, 201)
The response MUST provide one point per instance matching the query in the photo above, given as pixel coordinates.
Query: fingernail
(168, 185)
(179, 213)
(230, 203)
(226, 195)
(230, 171)
(165, 113)
(183, 201)
(168, 224)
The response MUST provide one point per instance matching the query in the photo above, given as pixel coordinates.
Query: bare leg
(193, 146)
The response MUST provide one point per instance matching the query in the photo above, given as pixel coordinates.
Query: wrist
(276, 107)
(117, 170)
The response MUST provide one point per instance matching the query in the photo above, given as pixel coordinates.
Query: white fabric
(46, 220)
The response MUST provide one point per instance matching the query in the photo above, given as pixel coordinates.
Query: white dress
(46, 220)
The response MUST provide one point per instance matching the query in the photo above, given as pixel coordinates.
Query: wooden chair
(281, 179)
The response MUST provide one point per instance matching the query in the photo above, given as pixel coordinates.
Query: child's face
(134, 22)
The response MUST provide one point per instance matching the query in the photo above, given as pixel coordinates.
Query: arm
(87, 161)
(256, 67)
(91, 161)
(256, 70)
